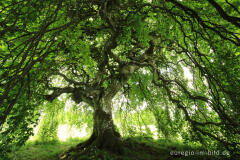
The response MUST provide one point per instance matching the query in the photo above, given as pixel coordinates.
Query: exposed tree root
(108, 142)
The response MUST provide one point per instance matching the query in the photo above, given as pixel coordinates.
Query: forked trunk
(104, 135)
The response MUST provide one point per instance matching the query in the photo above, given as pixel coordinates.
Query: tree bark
(104, 135)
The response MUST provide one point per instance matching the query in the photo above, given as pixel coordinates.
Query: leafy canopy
(86, 44)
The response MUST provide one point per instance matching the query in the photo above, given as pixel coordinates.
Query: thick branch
(57, 92)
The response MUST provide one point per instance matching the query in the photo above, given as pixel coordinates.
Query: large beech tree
(96, 47)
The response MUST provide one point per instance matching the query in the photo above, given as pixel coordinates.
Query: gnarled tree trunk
(104, 135)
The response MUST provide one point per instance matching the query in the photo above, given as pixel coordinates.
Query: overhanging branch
(57, 92)
(224, 15)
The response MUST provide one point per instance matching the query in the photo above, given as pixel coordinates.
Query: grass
(137, 148)
(42, 151)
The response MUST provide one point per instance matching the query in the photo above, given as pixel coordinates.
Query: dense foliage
(137, 52)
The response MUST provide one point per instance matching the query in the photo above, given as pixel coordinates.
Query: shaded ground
(135, 149)
(42, 151)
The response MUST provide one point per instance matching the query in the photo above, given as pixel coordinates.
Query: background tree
(101, 48)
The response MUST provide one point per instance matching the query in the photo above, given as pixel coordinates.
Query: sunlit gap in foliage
(64, 111)
(65, 132)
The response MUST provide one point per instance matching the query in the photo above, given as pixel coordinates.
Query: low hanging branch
(57, 92)
(195, 124)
